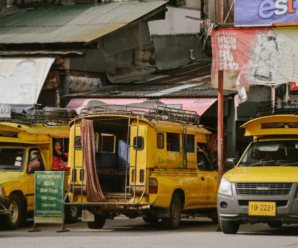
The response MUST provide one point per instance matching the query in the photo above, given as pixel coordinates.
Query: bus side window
(35, 162)
(160, 141)
(173, 142)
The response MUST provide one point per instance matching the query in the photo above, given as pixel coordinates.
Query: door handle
(202, 178)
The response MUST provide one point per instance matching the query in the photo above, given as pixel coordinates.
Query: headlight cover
(225, 187)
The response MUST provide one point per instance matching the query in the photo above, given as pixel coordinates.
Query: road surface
(123, 232)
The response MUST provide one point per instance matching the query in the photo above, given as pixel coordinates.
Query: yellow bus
(129, 161)
(30, 143)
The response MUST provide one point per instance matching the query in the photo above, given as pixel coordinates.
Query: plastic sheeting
(21, 79)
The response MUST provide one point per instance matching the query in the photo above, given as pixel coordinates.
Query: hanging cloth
(93, 188)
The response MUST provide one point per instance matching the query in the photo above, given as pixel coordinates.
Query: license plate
(262, 208)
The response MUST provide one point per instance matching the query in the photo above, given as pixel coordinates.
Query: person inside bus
(59, 158)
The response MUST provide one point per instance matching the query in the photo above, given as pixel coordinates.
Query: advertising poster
(258, 56)
(265, 12)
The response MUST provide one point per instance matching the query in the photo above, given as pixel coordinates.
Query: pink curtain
(93, 189)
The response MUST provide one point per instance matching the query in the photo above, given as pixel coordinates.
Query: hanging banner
(265, 12)
(255, 56)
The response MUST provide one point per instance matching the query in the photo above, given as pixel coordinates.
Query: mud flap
(87, 216)
(163, 213)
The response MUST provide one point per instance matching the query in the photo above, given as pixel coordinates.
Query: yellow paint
(165, 166)
(37, 136)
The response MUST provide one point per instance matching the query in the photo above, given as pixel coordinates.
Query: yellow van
(140, 164)
(26, 146)
(262, 188)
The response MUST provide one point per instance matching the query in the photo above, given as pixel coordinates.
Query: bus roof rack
(49, 116)
(267, 108)
(158, 113)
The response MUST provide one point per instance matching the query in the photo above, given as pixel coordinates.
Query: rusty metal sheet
(73, 23)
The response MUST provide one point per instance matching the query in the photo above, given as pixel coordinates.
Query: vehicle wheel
(173, 221)
(229, 227)
(98, 223)
(71, 214)
(151, 219)
(275, 224)
(11, 221)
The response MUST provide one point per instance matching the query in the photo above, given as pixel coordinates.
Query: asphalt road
(123, 232)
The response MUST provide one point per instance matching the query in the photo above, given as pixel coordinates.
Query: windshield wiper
(261, 163)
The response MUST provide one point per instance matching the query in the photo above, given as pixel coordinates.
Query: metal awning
(200, 105)
(21, 79)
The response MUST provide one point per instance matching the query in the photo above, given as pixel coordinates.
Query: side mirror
(229, 164)
(33, 169)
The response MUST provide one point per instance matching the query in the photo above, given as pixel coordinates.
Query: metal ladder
(184, 145)
(128, 166)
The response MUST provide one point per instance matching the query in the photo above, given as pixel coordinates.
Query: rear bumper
(237, 207)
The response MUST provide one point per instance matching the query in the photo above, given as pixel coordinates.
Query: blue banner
(265, 12)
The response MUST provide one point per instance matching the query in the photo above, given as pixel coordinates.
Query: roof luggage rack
(49, 116)
(159, 113)
(266, 108)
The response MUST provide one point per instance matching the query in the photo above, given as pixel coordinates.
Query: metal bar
(230, 13)
(221, 13)
(127, 163)
(74, 158)
(136, 159)
(220, 125)
(82, 164)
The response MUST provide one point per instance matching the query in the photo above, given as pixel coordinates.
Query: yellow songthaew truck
(27, 145)
(262, 188)
(140, 164)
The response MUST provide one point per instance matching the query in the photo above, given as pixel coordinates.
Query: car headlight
(225, 187)
(2, 192)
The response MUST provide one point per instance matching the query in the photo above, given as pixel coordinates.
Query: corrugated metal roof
(76, 23)
(189, 81)
(153, 91)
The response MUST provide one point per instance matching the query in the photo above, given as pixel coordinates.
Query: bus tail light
(153, 186)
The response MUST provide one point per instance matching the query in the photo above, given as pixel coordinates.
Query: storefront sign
(265, 12)
(49, 193)
(256, 56)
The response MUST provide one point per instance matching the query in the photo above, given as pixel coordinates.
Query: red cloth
(59, 165)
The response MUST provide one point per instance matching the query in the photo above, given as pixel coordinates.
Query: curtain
(93, 189)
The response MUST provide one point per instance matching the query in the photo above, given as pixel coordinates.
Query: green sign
(49, 194)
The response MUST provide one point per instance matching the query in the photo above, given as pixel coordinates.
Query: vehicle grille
(263, 188)
(244, 203)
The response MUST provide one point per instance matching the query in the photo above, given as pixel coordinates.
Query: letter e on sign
(266, 9)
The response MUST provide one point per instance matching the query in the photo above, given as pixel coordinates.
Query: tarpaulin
(265, 12)
(255, 56)
(194, 104)
(21, 79)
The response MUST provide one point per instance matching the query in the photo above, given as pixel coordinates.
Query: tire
(98, 223)
(229, 227)
(173, 222)
(12, 221)
(151, 219)
(71, 214)
(275, 224)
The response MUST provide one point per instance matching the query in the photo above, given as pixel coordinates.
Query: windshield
(271, 153)
(11, 158)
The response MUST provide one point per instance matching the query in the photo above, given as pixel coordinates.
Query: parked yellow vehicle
(24, 149)
(263, 186)
(148, 165)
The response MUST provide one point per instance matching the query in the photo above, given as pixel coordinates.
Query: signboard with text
(49, 194)
(265, 12)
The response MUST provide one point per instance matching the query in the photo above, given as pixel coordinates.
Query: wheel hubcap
(14, 214)
(175, 211)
